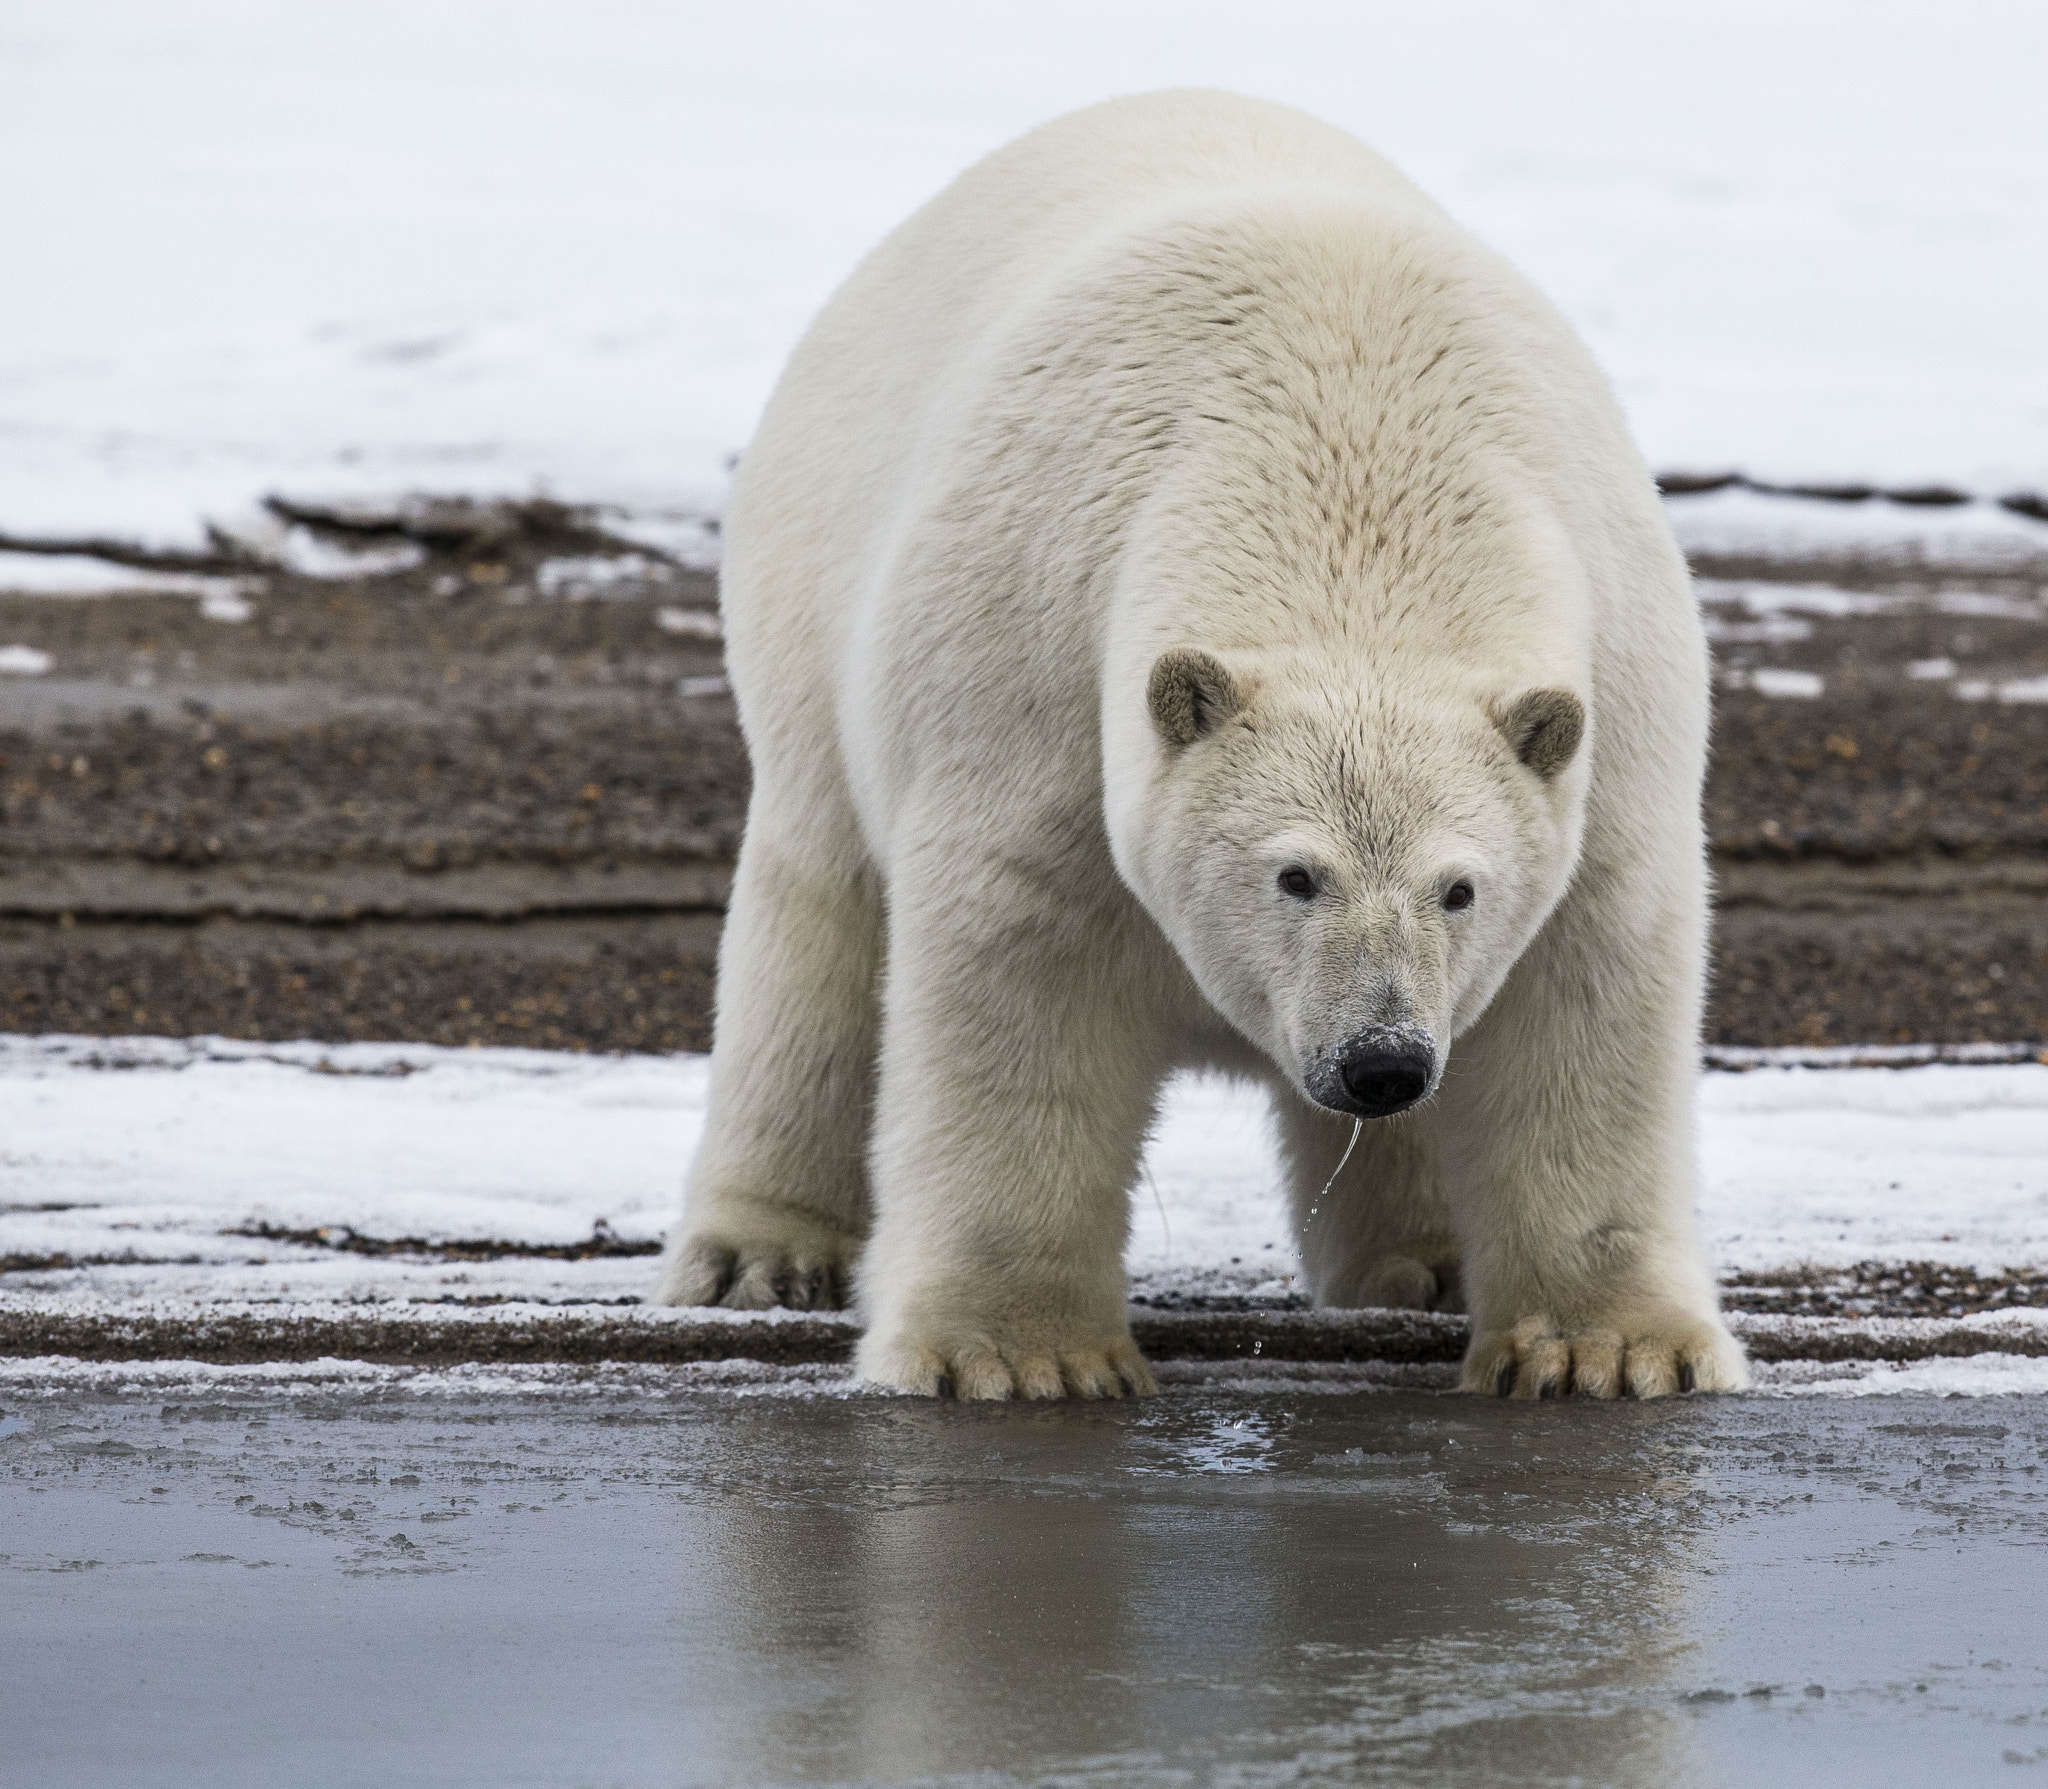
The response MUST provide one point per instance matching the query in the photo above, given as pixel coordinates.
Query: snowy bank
(232, 1202)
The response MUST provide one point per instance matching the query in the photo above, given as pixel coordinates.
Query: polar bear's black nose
(1384, 1077)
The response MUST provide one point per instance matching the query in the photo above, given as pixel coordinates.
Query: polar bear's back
(960, 262)
(956, 265)
(820, 483)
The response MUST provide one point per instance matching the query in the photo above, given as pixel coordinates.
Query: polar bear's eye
(1297, 882)
(1457, 897)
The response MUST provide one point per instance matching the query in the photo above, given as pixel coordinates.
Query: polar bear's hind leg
(1380, 1236)
(777, 1205)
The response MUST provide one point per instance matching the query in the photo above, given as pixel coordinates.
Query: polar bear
(1191, 604)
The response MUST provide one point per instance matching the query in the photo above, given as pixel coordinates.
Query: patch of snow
(315, 556)
(1772, 600)
(225, 605)
(1209, 1200)
(690, 688)
(1768, 680)
(1931, 670)
(259, 533)
(1744, 523)
(694, 624)
(1772, 630)
(1985, 602)
(79, 574)
(1839, 1056)
(1970, 1376)
(689, 539)
(580, 579)
(391, 1142)
(24, 661)
(2017, 689)
(1942, 1163)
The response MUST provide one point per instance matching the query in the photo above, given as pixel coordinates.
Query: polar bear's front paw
(969, 1363)
(1674, 1352)
(750, 1264)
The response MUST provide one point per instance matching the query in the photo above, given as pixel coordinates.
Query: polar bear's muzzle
(1383, 1070)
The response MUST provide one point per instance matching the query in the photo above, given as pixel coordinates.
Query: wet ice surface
(648, 1586)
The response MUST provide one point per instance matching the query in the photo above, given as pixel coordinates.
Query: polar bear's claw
(755, 1276)
(1536, 1359)
(981, 1369)
(697, 1273)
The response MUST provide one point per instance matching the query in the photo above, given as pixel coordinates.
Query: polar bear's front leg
(1567, 1134)
(1018, 1073)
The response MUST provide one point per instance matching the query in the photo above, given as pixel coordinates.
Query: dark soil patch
(601, 1244)
(1885, 1289)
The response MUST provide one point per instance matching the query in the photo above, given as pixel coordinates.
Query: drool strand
(1357, 1129)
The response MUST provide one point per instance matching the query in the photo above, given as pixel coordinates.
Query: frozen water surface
(228, 1586)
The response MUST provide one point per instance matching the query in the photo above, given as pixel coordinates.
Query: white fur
(1190, 371)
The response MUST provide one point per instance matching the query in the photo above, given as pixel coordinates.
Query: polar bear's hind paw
(801, 1275)
(1407, 1283)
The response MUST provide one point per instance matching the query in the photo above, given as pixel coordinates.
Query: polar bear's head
(1349, 868)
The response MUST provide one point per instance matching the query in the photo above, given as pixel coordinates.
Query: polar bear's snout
(1386, 1072)
(1384, 1069)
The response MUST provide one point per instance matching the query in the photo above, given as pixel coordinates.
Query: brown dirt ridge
(472, 801)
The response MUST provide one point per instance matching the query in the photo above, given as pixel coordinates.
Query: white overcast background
(512, 247)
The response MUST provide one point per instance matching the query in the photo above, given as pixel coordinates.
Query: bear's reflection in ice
(1216, 1584)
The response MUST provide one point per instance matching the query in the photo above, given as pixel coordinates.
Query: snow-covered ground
(1990, 1375)
(175, 1153)
(162, 1163)
(1980, 533)
(453, 246)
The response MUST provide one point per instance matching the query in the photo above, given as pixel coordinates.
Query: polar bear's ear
(1190, 693)
(1545, 727)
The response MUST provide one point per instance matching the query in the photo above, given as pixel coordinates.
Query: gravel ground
(632, 980)
(494, 798)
